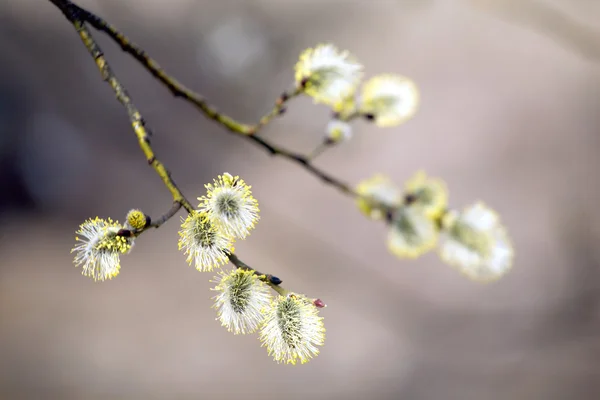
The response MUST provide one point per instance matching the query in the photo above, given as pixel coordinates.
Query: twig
(167, 216)
(73, 14)
(324, 145)
(277, 110)
(179, 90)
(271, 280)
(137, 122)
(176, 88)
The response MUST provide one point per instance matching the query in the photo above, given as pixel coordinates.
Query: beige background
(509, 115)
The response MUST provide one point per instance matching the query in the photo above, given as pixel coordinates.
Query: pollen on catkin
(241, 300)
(136, 220)
(376, 193)
(328, 75)
(429, 194)
(411, 233)
(230, 206)
(203, 243)
(476, 243)
(292, 329)
(99, 248)
(389, 99)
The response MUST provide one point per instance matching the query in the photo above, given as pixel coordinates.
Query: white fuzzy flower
(203, 243)
(476, 243)
(242, 298)
(99, 248)
(292, 329)
(328, 75)
(389, 99)
(412, 233)
(230, 206)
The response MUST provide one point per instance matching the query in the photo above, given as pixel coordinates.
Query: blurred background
(510, 114)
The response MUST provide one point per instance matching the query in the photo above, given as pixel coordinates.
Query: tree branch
(269, 279)
(179, 90)
(75, 15)
(135, 118)
(166, 216)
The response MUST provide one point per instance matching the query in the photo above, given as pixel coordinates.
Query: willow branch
(73, 14)
(166, 216)
(137, 122)
(176, 88)
(269, 279)
(179, 90)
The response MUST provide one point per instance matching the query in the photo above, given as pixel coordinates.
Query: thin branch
(167, 216)
(135, 118)
(73, 14)
(277, 110)
(324, 145)
(179, 90)
(269, 279)
(305, 163)
(176, 88)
